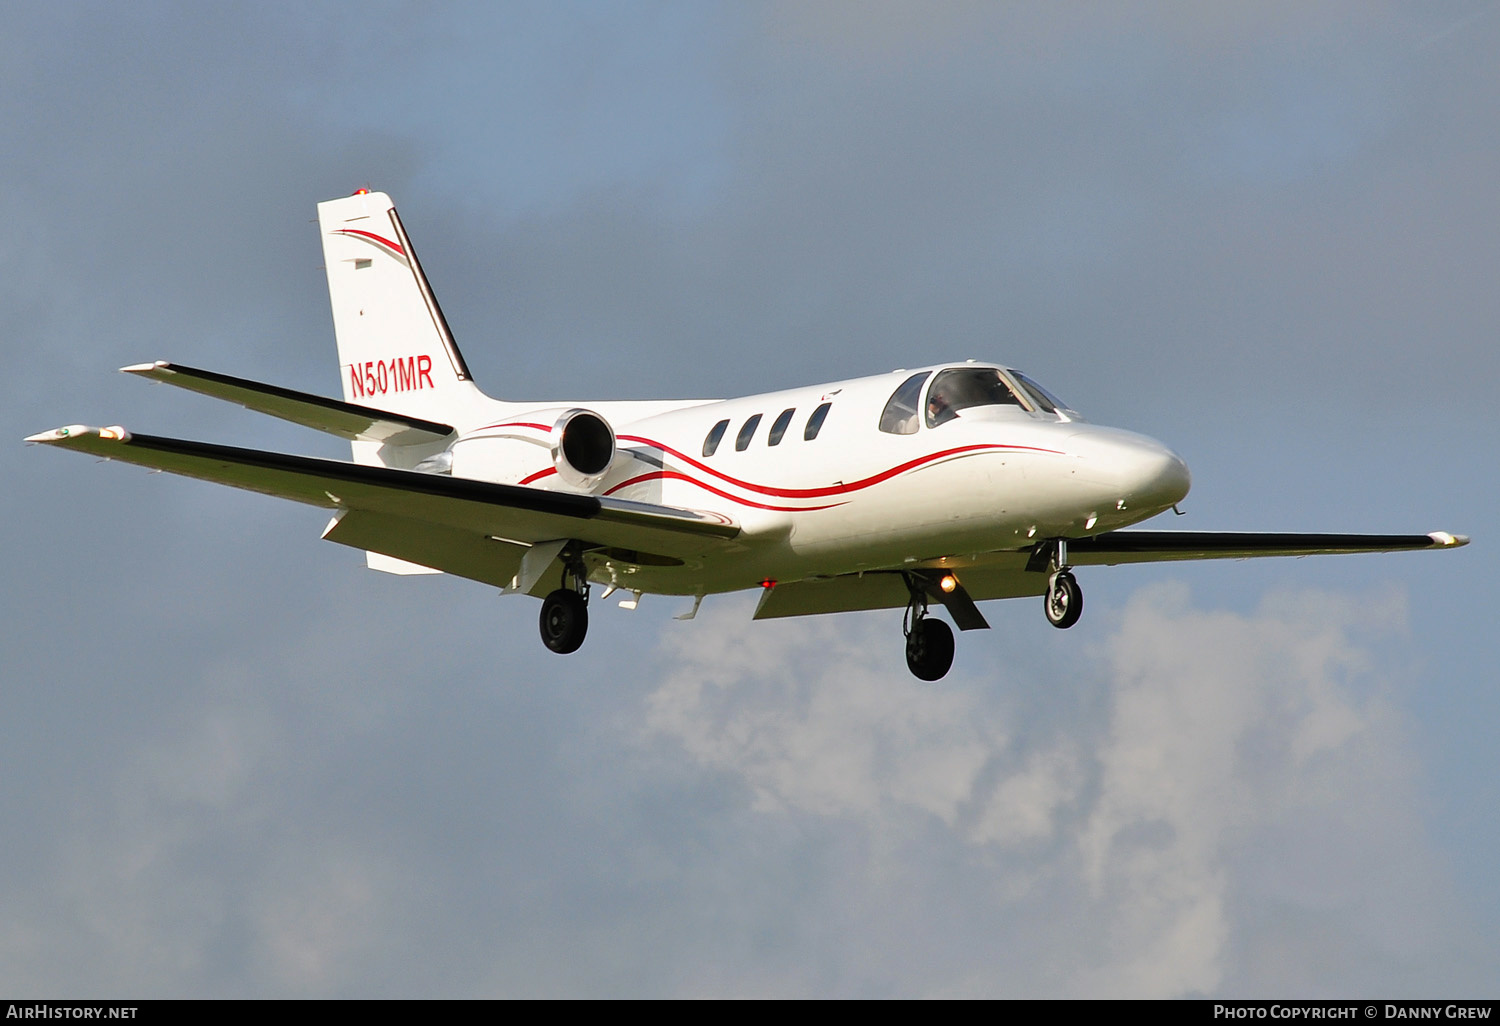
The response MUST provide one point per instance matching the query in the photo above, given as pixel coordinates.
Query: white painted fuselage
(852, 497)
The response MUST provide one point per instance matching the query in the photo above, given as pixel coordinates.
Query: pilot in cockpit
(939, 411)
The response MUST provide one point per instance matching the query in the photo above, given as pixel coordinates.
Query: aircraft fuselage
(852, 497)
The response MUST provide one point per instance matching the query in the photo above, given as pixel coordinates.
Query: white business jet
(936, 485)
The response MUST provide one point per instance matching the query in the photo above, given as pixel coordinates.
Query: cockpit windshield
(962, 388)
(1040, 397)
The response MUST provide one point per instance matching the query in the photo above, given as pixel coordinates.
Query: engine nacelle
(571, 449)
(583, 447)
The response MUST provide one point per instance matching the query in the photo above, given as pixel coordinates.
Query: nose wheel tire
(1063, 601)
(564, 621)
(929, 649)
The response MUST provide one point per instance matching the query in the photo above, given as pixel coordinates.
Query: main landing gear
(565, 612)
(929, 642)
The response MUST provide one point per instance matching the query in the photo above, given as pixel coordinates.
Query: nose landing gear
(1064, 600)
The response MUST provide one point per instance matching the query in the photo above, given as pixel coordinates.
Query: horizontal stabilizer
(514, 513)
(347, 420)
(1157, 546)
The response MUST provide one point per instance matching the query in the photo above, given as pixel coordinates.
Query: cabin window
(900, 414)
(715, 435)
(779, 427)
(962, 388)
(742, 440)
(815, 422)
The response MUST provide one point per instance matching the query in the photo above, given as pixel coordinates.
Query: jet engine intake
(583, 447)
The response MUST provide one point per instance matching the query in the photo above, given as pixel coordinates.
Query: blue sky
(239, 764)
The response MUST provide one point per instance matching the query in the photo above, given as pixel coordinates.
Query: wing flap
(347, 420)
(886, 590)
(511, 512)
(1157, 546)
(462, 553)
(844, 594)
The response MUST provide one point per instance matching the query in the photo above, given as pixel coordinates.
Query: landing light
(948, 583)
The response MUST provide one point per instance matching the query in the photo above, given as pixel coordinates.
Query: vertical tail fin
(395, 349)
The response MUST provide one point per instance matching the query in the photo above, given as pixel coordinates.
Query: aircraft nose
(1141, 470)
(1162, 477)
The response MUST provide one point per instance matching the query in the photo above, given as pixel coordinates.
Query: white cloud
(814, 718)
(1024, 806)
(1133, 846)
(1232, 809)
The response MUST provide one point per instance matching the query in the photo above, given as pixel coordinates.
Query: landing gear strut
(565, 612)
(929, 642)
(1063, 601)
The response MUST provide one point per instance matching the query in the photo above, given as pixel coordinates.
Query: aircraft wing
(998, 575)
(347, 420)
(472, 528)
(1115, 547)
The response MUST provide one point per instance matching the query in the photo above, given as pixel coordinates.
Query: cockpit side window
(961, 388)
(900, 414)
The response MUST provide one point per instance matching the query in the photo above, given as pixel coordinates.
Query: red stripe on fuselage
(675, 475)
(513, 423)
(838, 489)
(770, 490)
